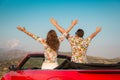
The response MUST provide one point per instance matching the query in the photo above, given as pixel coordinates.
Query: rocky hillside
(11, 54)
(94, 59)
(9, 57)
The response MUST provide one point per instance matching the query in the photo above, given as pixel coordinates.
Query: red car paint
(38, 74)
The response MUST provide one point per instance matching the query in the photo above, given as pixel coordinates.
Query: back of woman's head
(52, 40)
(80, 32)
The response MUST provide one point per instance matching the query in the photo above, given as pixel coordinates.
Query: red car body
(17, 73)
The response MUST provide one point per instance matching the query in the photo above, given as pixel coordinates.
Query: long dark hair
(52, 40)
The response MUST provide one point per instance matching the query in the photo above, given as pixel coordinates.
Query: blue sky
(35, 15)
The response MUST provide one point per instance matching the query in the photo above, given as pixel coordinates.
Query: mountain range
(9, 57)
(8, 54)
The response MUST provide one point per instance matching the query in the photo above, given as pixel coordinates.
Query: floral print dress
(50, 54)
(79, 47)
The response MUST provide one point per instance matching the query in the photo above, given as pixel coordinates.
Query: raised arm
(60, 29)
(71, 26)
(28, 33)
(98, 29)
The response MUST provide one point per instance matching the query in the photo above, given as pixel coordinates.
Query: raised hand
(98, 29)
(21, 28)
(74, 22)
(53, 21)
(25, 31)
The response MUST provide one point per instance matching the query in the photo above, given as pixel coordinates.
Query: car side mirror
(12, 68)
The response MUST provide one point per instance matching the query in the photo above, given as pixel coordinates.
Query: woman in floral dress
(51, 45)
(78, 44)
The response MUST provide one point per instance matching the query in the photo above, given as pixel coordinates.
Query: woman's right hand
(98, 29)
(53, 21)
(21, 28)
(74, 22)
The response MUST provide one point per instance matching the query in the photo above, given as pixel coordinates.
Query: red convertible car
(30, 69)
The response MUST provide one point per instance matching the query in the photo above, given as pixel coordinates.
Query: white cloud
(14, 43)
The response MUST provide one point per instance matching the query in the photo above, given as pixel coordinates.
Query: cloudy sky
(35, 15)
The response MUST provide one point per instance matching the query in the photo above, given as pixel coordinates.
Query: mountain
(94, 59)
(3, 49)
(11, 54)
(16, 53)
